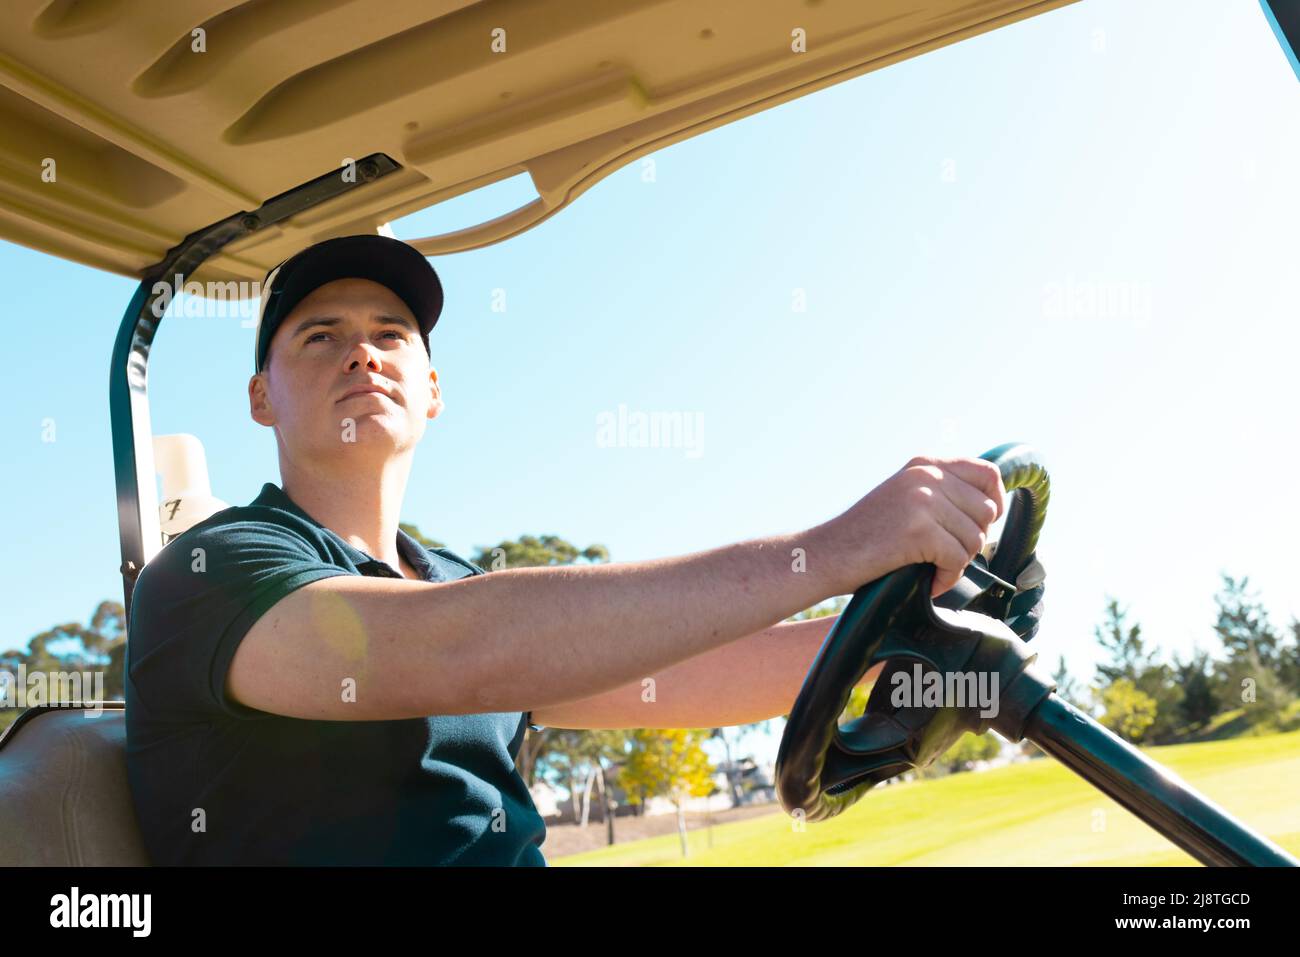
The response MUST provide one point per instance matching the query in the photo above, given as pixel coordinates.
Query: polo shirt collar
(275, 497)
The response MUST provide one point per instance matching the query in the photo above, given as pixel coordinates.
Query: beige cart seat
(64, 799)
(64, 796)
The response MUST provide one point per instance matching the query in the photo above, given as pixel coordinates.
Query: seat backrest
(64, 796)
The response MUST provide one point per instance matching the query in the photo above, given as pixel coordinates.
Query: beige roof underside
(153, 140)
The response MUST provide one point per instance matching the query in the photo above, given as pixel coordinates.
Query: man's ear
(435, 400)
(259, 400)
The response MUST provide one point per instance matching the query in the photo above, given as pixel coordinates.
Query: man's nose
(363, 351)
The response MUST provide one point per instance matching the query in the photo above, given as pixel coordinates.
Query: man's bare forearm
(745, 681)
(525, 638)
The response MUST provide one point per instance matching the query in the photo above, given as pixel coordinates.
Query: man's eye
(390, 332)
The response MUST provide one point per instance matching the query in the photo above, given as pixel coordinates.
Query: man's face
(346, 334)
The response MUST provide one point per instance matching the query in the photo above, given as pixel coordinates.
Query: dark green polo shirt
(217, 782)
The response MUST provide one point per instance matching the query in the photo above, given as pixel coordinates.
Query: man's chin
(377, 429)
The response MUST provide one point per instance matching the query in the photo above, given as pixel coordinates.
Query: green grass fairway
(1037, 813)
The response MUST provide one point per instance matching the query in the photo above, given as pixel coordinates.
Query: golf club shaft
(1153, 793)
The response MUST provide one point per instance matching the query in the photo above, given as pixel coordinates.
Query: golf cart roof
(162, 118)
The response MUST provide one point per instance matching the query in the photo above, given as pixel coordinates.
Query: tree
(74, 647)
(1160, 683)
(1126, 710)
(1132, 661)
(1243, 625)
(668, 762)
(1258, 691)
(1066, 687)
(1252, 671)
(857, 704)
(1289, 666)
(734, 789)
(970, 748)
(823, 609)
(596, 748)
(414, 532)
(1202, 690)
(1128, 656)
(529, 550)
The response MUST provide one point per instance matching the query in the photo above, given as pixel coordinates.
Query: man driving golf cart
(310, 685)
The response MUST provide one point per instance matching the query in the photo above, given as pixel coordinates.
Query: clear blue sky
(946, 219)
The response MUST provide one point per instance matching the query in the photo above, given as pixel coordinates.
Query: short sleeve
(196, 600)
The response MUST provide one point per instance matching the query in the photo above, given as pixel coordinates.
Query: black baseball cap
(387, 261)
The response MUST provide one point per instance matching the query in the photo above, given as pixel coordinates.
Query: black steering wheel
(822, 768)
